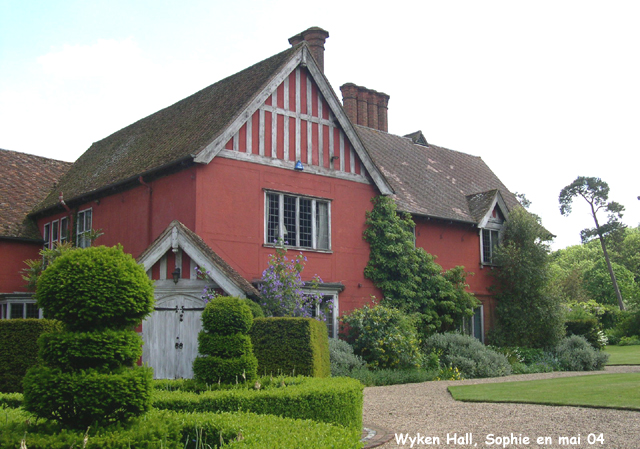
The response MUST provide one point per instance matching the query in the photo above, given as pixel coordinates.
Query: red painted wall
(14, 253)
(134, 218)
(233, 224)
(456, 244)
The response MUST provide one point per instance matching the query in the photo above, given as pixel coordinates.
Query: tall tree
(596, 193)
(528, 313)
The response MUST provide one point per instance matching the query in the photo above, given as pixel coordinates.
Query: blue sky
(543, 91)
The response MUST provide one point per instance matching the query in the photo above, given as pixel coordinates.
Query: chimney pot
(315, 38)
(363, 107)
(350, 101)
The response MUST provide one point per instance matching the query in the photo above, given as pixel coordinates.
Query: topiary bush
(94, 289)
(89, 374)
(225, 348)
(468, 354)
(343, 360)
(384, 337)
(574, 353)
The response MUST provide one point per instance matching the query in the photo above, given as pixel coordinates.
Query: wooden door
(170, 336)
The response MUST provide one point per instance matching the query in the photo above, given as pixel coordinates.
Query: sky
(543, 91)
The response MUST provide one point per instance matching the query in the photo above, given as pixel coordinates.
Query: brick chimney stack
(315, 38)
(365, 107)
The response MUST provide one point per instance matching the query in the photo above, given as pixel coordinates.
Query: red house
(268, 153)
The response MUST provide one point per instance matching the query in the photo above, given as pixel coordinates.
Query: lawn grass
(600, 390)
(623, 355)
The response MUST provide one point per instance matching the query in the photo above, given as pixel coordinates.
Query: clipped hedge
(20, 349)
(335, 401)
(169, 430)
(291, 346)
(108, 349)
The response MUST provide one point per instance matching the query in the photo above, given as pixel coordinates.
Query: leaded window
(297, 221)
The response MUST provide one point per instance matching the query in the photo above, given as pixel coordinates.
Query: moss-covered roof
(25, 180)
(170, 135)
(433, 181)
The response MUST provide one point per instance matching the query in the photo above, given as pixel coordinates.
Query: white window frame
(6, 307)
(55, 232)
(281, 226)
(493, 234)
(469, 323)
(332, 319)
(82, 240)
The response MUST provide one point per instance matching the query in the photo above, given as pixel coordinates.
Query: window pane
(273, 217)
(54, 231)
(305, 223)
(486, 246)
(64, 228)
(290, 237)
(477, 323)
(47, 235)
(87, 220)
(322, 225)
(327, 308)
(32, 311)
(3, 313)
(17, 311)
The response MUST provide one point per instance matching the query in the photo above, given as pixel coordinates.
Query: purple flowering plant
(208, 293)
(283, 290)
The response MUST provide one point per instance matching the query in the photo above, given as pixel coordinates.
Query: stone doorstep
(374, 436)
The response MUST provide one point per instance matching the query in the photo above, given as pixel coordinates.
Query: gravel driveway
(429, 410)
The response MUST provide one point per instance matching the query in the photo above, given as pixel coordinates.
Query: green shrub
(80, 398)
(227, 353)
(107, 349)
(629, 341)
(213, 369)
(291, 346)
(95, 288)
(88, 376)
(256, 310)
(383, 337)
(335, 400)
(227, 315)
(580, 322)
(169, 430)
(224, 346)
(10, 400)
(576, 354)
(468, 354)
(20, 349)
(387, 376)
(342, 358)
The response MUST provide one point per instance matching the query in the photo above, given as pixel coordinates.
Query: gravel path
(428, 408)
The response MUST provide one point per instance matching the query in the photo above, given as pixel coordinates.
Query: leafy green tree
(596, 193)
(409, 277)
(527, 312)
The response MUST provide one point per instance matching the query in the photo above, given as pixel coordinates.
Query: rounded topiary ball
(95, 288)
(227, 315)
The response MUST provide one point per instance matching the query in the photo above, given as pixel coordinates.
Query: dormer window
(491, 231)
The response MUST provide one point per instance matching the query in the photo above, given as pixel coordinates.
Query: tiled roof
(430, 180)
(167, 136)
(480, 203)
(25, 180)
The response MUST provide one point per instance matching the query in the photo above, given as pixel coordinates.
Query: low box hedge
(291, 346)
(335, 400)
(20, 349)
(170, 430)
